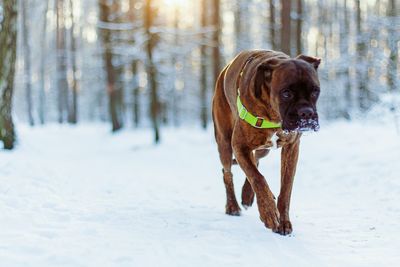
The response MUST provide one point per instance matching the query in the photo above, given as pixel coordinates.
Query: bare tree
(8, 48)
(106, 8)
(73, 109)
(286, 26)
(174, 60)
(345, 70)
(27, 62)
(203, 70)
(272, 24)
(216, 53)
(394, 54)
(363, 94)
(242, 24)
(299, 25)
(42, 92)
(149, 14)
(134, 69)
(61, 66)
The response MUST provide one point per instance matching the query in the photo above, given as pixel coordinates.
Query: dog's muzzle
(305, 119)
(305, 125)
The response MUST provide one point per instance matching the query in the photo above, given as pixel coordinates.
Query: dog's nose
(305, 113)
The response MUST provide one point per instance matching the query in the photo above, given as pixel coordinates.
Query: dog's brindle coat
(275, 87)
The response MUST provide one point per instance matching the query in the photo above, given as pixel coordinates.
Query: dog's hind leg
(225, 153)
(247, 191)
(223, 138)
(223, 126)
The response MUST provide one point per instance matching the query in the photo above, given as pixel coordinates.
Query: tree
(149, 14)
(216, 53)
(203, 67)
(272, 24)
(363, 93)
(8, 48)
(106, 8)
(242, 24)
(42, 92)
(286, 26)
(134, 69)
(392, 40)
(73, 109)
(299, 25)
(27, 62)
(61, 66)
(345, 70)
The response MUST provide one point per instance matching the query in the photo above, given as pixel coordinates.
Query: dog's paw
(247, 196)
(232, 209)
(284, 228)
(247, 202)
(269, 214)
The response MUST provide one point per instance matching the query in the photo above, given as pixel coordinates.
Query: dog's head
(292, 90)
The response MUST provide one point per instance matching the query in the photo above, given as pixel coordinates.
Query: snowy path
(81, 197)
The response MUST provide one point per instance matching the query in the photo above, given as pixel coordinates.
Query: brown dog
(260, 95)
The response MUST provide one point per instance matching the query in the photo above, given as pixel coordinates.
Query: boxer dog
(264, 99)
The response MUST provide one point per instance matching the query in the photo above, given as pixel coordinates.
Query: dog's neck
(260, 107)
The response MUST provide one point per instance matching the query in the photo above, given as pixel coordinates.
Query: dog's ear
(263, 75)
(312, 60)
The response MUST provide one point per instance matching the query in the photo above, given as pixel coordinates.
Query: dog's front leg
(269, 214)
(289, 157)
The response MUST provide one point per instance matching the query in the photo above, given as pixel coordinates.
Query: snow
(79, 196)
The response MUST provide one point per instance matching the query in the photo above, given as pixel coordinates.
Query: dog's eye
(287, 95)
(315, 94)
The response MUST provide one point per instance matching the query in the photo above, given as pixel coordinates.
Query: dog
(262, 95)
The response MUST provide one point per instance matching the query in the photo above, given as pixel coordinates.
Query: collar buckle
(259, 123)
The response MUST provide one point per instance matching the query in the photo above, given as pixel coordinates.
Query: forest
(108, 154)
(153, 63)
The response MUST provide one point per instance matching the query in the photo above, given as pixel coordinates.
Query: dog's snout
(305, 113)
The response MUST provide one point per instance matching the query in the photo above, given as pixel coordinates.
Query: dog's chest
(280, 139)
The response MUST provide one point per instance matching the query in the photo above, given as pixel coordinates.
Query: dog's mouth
(301, 125)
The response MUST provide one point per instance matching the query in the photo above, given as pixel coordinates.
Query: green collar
(254, 121)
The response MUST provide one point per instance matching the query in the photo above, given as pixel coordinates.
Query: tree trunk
(344, 45)
(286, 26)
(42, 92)
(135, 91)
(363, 95)
(61, 65)
(73, 110)
(203, 70)
(242, 24)
(299, 25)
(8, 48)
(151, 69)
(134, 67)
(105, 13)
(27, 62)
(393, 57)
(216, 53)
(272, 24)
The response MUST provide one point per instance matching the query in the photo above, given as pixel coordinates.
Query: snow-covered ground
(83, 197)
